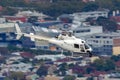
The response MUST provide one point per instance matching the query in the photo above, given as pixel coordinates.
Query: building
(112, 76)
(117, 63)
(1, 8)
(41, 1)
(117, 20)
(48, 24)
(16, 67)
(88, 1)
(7, 27)
(116, 46)
(82, 16)
(87, 30)
(66, 18)
(115, 16)
(102, 43)
(31, 13)
(16, 18)
(7, 34)
(51, 77)
(2, 20)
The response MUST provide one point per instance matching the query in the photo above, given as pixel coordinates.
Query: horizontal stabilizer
(18, 36)
(32, 39)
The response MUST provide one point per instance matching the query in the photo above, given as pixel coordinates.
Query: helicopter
(65, 41)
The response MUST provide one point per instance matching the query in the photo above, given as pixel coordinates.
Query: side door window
(76, 45)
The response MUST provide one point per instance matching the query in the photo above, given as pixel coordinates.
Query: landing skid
(75, 54)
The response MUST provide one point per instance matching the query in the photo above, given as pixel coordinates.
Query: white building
(19, 67)
(31, 13)
(7, 31)
(23, 67)
(87, 30)
(82, 16)
(102, 43)
(2, 20)
(7, 27)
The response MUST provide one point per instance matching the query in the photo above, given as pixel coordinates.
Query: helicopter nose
(90, 49)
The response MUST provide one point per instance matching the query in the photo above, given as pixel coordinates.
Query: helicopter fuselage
(73, 45)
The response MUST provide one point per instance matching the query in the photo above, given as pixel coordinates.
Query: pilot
(60, 37)
(70, 34)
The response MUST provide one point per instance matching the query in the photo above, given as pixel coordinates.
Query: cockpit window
(86, 46)
(76, 45)
(82, 48)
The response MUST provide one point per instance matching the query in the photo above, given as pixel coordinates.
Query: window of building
(76, 46)
(99, 13)
(110, 37)
(107, 42)
(92, 36)
(96, 41)
(81, 31)
(104, 36)
(45, 47)
(97, 36)
(91, 14)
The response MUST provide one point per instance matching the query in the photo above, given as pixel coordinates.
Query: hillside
(58, 7)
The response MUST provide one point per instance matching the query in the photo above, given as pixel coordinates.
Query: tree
(89, 70)
(99, 64)
(7, 78)
(68, 77)
(80, 75)
(108, 25)
(104, 65)
(58, 7)
(109, 65)
(62, 68)
(42, 71)
(16, 76)
(115, 58)
(108, 4)
(9, 11)
(12, 48)
(90, 7)
(12, 2)
(71, 65)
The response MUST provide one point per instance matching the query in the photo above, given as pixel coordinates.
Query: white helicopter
(65, 41)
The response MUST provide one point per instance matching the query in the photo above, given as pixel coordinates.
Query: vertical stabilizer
(18, 31)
